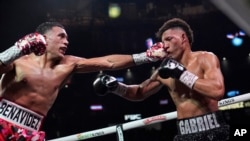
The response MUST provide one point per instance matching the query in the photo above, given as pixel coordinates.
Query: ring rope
(143, 122)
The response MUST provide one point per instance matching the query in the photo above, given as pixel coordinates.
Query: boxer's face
(173, 40)
(57, 41)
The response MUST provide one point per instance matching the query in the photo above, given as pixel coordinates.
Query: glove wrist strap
(9, 55)
(121, 89)
(188, 78)
(142, 58)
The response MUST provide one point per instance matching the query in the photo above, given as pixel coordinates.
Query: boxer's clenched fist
(33, 42)
(157, 51)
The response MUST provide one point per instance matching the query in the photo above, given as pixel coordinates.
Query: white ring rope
(143, 122)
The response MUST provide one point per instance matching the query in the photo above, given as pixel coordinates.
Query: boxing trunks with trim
(18, 123)
(208, 127)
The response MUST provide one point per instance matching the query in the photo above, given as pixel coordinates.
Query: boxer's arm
(212, 83)
(121, 61)
(105, 84)
(109, 62)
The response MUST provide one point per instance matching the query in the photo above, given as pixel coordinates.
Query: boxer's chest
(34, 75)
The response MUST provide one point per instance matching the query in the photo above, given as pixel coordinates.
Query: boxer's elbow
(218, 92)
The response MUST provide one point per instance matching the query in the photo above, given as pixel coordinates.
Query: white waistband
(19, 115)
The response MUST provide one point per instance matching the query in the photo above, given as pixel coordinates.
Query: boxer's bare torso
(190, 103)
(34, 86)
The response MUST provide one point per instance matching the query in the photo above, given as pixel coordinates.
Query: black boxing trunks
(208, 127)
(18, 123)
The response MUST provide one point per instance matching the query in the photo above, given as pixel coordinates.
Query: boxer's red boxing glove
(153, 54)
(157, 51)
(33, 42)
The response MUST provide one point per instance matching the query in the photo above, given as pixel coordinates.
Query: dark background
(92, 33)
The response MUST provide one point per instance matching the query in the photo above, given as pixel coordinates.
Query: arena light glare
(114, 10)
(236, 38)
(163, 102)
(120, 79)
(96, 107)
(236, 41)
(149, 42)
(233, 93)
